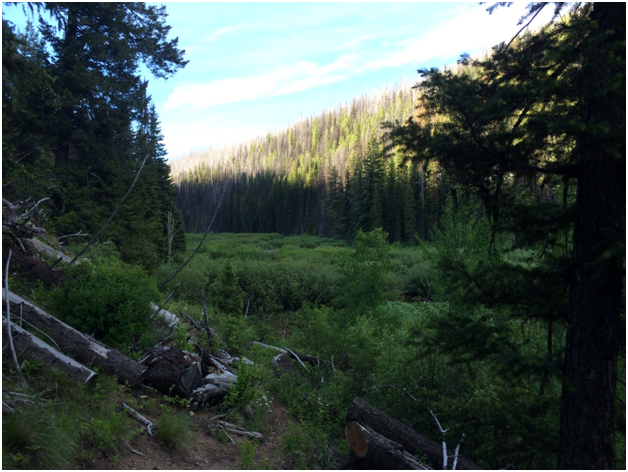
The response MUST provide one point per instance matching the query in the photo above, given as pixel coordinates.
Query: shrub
(109, 299)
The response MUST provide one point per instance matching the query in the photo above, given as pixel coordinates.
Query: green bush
(109, 299)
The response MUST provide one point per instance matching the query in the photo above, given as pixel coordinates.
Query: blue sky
(258, 67)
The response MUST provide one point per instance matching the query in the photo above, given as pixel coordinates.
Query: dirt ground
(205, 453)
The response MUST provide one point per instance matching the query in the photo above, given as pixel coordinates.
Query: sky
(259, 67)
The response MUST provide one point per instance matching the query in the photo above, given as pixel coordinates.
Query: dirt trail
(204, 453)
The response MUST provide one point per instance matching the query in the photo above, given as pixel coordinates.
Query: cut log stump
(411, 440)
(374, 451)
(173, 372)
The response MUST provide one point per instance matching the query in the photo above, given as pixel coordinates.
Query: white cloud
(200, 96)
(302, 76)
(220, 32)
(183, 137)
(357, 41)
(307, 83)
(465, 33)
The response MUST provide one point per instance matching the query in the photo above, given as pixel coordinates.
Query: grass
(56, 421)
(175, 429)
(36, 438)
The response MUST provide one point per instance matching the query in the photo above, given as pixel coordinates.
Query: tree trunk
(81, 347)
(594, 326)
(66, 121)
(410, 439)
(30, 346)
(377, 452)
(595, 299)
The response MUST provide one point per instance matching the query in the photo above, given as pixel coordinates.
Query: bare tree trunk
(594, 324)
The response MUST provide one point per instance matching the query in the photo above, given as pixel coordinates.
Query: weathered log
(29, 346)
(172, 371)
(214, 385)
(377, 452)
(412, 440)
(84, 349)
(48, 251)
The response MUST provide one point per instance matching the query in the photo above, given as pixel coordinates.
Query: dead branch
(199, 244)
(297, 358)
(457, 451)
(442, 437)
(235, 429)
(75, 235)
(138, 417)
(133, 450)
(172, 293)
(10, 335)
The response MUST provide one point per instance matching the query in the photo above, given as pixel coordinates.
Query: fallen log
(411, 440)
(30, 346)
(375, 451)
(214, 385)
(84, 349)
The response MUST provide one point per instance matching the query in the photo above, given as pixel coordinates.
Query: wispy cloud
(448, 38)
(302, 76)
(221, 32)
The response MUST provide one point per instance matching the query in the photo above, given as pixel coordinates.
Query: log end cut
(356, 439)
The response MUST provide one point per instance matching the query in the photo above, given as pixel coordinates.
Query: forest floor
(204, 452)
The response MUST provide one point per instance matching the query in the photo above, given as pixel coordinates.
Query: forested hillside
(329, 175)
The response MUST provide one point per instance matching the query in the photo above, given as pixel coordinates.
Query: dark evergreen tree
(551, 104)
(77, 90)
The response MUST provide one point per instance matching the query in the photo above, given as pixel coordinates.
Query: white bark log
(33, 347)
(48, 251)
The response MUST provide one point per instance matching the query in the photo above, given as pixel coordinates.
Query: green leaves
(107, 298)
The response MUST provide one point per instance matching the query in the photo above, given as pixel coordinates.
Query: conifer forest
(435, 269)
